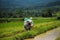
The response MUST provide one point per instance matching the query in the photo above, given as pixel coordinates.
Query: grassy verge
(58, 38)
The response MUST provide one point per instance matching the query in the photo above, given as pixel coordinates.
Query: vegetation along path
(50, 35)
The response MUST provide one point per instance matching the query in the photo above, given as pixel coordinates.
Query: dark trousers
(27, 27)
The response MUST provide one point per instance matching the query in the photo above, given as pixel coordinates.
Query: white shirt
(25, 22)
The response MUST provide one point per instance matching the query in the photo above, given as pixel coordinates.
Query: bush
(58, 15)
(58, 18)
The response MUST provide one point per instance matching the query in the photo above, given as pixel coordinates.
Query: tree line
(19, 13)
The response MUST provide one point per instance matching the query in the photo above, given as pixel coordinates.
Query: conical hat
(26, 19)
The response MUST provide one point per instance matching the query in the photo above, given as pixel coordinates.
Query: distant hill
(13, 7)
(24, 3)
(28, 4)
(57, 3)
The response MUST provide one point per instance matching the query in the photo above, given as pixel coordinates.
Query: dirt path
(50, 35)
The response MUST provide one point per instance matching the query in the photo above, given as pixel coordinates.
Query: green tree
(58, 15)
(47, 13)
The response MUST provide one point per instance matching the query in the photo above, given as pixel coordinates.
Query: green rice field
(14, 30)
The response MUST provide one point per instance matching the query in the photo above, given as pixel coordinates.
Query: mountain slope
(23, 3)
(57, 3)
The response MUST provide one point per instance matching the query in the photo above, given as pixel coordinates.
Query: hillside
(25, 3)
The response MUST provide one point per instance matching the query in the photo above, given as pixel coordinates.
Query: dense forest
(18, 13)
